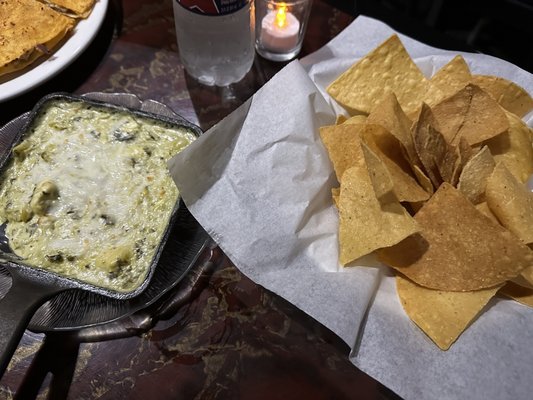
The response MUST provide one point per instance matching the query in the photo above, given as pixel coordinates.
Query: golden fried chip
(389, 151)
(470, 113)
(452, 77)
(340, 119)
(370, 216)
(335, 193)
(473, 179)
(458, 248)
(442, 315)
(521, 281)
(450, 164)
(341, 142)
(511, 202)
(459, 133)
(430, 145)
(356, 119)
(519, 293)
(466, 152)
(424, 181)
(455, 160)
(514, 148)
(379, 176)
(387, 68)
(484, 209)
(508, 94)
(29, 30)
(389, 114)
(527, 274)
(75, 8)
(525, 279)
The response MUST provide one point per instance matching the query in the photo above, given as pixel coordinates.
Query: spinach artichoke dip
(88, 194)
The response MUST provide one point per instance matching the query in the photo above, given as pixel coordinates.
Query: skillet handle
(16, 310)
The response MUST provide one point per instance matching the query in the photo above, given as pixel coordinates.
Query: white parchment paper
(259, 182)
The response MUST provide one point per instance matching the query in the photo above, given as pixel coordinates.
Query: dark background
(502, 28)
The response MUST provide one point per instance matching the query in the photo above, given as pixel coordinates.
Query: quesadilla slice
(29, 30)
(72, 8)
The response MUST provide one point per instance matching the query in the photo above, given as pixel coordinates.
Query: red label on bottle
(213, 7)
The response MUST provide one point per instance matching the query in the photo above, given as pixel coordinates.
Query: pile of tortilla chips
(432, 179)
(30, 29)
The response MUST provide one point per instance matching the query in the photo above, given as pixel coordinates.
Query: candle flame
(281, 16)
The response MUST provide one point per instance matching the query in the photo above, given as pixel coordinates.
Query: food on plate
(75, 8)
(389, 68)
(452, 77)
(88, 195)
(508, 94)
(363, 85)
(446, 254)
(520, 293)
(386, 146)
(473, 178)
(511, 202)
(513, 147)
(442, 315)
(342, 146)
(30, 30)
(432, 176)
(389, 114)
(368, 207)
(356, 119)
(526, 277)
(469, 113)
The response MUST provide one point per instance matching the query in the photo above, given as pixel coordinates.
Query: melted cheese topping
(89, 195)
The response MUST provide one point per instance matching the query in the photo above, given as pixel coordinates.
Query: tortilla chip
(525, 279)
(389, 151)
(387, 68)
(462, 154)
(470, 113)
(341, 142)
(521, 281)
(450, 165)
(484, 209)
(430, 145)
(356, 119)
(30, 30)
(466, 153)
(458, 248)
(473, 179)
(370, 216)
(389, 114)
(73, 8)
(508, 94)
(443, 316)
(424, 181)
(335, 193)
(379, 176)
(519, 293)
(452, 77)
(527, 274)
(340, 119)
(511, 202)
(514, 148)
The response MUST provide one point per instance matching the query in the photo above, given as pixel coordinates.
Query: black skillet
(70, 304)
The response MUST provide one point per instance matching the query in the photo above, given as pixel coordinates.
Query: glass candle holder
(280, 27)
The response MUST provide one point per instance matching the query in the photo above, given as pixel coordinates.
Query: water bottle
(215, 39)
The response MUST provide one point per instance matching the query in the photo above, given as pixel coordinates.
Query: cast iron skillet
(71, 304)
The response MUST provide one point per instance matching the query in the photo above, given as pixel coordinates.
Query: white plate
(81, 36)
